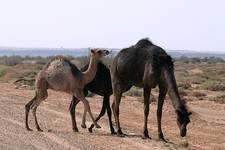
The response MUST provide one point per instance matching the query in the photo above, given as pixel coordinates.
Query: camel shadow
(166, 142)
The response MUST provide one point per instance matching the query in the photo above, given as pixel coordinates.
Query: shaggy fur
(147, 65)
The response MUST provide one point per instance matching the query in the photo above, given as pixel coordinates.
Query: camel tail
(166, 60)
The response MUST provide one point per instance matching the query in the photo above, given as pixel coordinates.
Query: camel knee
(30, 103)
(42, 93)
(102, 112)
(27, 107)
(43, 97)
(72, 108)
(34, 109)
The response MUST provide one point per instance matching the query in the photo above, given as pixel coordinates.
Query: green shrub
(3, 71)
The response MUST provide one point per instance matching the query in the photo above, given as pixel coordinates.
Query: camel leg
(83, 124)
(27, 110)
(87, 107)
(109, 112)
(162, 94)
(147, 92)
(72, 107)
(42, 94)
(115, 106)
(100, 115)
(35, 117)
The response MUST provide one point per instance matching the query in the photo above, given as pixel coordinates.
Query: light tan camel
(60, 74)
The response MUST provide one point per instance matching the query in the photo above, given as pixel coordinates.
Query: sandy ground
(206, 131)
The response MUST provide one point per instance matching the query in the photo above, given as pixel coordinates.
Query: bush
(3, 71)
(11, 61)
(199, 94)
(134, 91)
(212, 86)
(219, 99)
(184, 85)
(182, 92)
(198, 79)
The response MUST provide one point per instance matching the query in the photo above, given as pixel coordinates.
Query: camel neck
(90, 73)
(173, 90)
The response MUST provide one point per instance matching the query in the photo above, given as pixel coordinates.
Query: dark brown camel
(100, 85)
(147, 65)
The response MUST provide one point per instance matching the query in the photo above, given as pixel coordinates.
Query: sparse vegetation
(199, 94)
(182, 92)
(184, 85)
(10, 61)
(134, 91)
(214, 86)
(191, 73)
(219, 99)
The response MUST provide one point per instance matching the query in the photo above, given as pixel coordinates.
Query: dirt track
(206, 131)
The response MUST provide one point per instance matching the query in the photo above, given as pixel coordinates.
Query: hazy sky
(173, 24)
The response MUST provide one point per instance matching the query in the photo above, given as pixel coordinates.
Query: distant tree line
(14, 60)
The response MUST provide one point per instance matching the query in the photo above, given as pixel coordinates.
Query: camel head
(182, 121)
(99, 53)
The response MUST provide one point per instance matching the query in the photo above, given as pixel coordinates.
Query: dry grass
(199, 94)
(219, 99)
(191, 74)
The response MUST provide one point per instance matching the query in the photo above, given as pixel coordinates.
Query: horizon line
(77, 48)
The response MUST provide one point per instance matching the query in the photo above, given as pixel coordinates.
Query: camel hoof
(39, 129)
(121, 135)
(75, 130)
(161, 138)
(146, 136)
(90, 130)
(83, 126)
(29, 129)
(113, 132)
(97, 126)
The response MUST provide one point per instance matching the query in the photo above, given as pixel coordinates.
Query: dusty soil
(206, 131)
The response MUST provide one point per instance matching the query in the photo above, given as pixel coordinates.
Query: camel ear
(92, 51)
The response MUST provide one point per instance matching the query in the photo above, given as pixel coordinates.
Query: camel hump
(59, 61)
(56, 58)
(144, 43)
